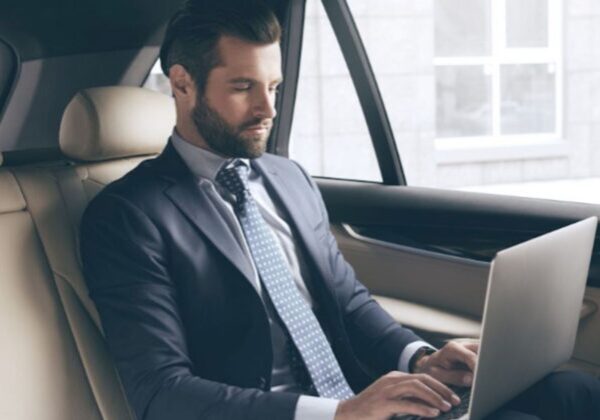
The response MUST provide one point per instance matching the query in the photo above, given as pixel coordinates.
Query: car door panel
(424, 253)
(412, 275)
(470, 226)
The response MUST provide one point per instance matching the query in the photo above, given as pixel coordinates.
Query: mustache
(256, 122)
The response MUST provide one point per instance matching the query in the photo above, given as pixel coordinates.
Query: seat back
(56, 361)
(44, 376)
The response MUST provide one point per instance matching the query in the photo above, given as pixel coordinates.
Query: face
(235, 114)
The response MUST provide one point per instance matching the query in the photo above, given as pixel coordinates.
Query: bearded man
(220, 287)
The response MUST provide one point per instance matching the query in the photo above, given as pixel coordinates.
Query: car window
(495, 96)
(329, 135)
(157, 81)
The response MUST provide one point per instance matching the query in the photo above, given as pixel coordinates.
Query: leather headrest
(117, 121)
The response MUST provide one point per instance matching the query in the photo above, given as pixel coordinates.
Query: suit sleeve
(376, 338)
(126, 267)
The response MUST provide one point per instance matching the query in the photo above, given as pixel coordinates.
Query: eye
(274, 89)
(241, 87)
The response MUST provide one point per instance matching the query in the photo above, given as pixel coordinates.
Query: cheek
(233, 109)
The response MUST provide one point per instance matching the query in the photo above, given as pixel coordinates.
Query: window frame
(363, 80)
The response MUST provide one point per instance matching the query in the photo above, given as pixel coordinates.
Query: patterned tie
(292, 308)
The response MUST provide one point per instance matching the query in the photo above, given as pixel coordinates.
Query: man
(221, 290)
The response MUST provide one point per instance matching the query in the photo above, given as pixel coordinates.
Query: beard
(226, 139)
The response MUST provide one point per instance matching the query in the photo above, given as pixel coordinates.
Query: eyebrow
(248, 80)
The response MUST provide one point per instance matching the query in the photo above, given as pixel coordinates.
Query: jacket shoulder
(140, 187)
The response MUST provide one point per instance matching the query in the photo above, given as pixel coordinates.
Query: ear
(182, 84)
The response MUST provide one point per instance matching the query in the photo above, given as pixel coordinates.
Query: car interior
(74, 116)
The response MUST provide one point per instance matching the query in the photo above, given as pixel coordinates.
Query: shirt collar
(202, 162)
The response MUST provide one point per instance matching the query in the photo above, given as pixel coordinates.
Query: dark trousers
(563, 395)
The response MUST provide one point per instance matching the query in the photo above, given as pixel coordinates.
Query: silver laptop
(534, 297)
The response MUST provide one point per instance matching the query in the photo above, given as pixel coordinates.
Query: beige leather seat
(54, 360)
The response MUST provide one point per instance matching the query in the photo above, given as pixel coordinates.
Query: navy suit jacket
(188, 331)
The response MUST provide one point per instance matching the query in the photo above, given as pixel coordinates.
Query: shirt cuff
(409, 352)
(315, 408)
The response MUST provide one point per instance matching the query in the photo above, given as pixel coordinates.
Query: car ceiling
(38, 28)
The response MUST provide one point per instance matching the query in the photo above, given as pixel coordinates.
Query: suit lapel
(195, 204)
(296, 206)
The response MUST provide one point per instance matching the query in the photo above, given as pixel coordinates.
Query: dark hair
(193, 32)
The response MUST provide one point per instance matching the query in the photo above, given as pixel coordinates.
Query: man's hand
(453, 364)
(398, 392)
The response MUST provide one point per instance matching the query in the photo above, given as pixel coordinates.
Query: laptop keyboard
(457, 412)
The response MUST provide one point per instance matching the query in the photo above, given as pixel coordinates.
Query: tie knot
(234, 178)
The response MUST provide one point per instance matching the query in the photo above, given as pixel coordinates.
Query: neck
(190, 134)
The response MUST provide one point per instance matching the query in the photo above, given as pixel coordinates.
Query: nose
(264, 106)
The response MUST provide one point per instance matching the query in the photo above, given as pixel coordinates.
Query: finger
(391, 378)
(474, 346)
(459, 377)
(415, 408)
(445, 360)
(415, 388)
(458, 352)
(435, 384)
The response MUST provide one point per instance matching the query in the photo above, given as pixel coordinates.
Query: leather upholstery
(49, 192)
(113, 122)
(55, 357)
(55, 362)
(42, 374)
(11, 199)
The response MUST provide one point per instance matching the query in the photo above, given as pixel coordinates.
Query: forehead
(240, 58)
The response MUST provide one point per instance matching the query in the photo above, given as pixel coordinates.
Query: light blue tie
(299, 319)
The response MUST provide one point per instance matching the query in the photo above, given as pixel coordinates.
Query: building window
(498, 71)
